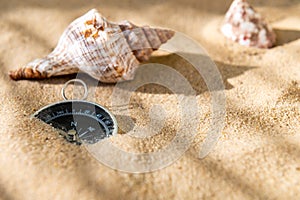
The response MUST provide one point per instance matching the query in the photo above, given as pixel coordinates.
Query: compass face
(79, 121)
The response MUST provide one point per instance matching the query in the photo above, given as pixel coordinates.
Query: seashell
(245, 26)
(107, 51)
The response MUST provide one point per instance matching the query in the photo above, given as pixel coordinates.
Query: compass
(79, 121)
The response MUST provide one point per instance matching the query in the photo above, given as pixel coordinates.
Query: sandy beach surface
(257, 156)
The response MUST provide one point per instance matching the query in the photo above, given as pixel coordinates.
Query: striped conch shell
(107, 51)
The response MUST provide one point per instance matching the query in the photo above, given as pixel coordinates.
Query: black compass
(79, 121)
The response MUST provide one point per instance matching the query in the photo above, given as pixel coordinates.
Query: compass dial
(79, 121)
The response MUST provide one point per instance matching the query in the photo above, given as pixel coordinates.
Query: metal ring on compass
(74, 81)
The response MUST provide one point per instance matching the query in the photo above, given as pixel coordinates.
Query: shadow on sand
(286, 36)
(180, 70)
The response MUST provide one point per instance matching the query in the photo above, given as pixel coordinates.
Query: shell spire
(246, 26)
(107, 51)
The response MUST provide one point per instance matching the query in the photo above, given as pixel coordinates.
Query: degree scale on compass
(79, 121)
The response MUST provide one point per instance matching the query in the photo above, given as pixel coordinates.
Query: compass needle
(81, 135)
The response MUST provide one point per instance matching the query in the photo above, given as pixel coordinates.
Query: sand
(257, 156)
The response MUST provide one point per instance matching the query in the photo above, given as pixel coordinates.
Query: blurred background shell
(244, 25)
